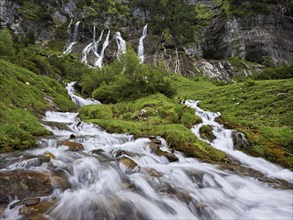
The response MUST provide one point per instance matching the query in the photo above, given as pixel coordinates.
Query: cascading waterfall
(177, 63)
(78, 100)
(140, 52)
(100, 57)
(224, 142)
(68, 49)
(85, 53)
(121, 44)
(75, 33)
(69, 28)
(117, 177)
(96, 43)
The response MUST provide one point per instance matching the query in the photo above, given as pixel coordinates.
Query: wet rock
(155, 140)
(97, 151)
(150, 172)
(120, 153)
(73, 146)
(206, 132)
(49, 155)
(27, 202)
(239, 140)
(128, 162)
(72, 136)
(36, 211)
(23, 184)
(171, 157)
(155, 148)
(60, 126)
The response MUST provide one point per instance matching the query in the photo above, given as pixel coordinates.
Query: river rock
(239, 140)
(206, 132)
(27, 202)
(128, 162)
(23, 184)
(73, 146)
(35, 211)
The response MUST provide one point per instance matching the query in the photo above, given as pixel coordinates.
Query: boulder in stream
(73, 146)
(239, 140)
(23, 184)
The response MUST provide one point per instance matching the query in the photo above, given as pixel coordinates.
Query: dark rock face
(23, 184)
(258, 38)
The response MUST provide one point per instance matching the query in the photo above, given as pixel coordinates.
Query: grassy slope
(22, 95)
(260, 109)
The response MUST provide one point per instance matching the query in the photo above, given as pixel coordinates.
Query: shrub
(6, 44)
(126, 79)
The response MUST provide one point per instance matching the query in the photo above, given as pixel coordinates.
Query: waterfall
(85, 52)
(79, 101)
(70, 45)
(140, 52)
(94, 33)
(69, 28)
(177, 63)
(99, 61)
(121, 44)
(75, 33)
(224, 142)
(96, 43)
(68, 49)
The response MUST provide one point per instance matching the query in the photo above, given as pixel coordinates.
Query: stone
(73, 146)
(23, 184)
(240, 141)
(128, 162)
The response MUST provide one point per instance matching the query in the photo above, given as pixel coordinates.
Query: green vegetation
(125, 79)
(278, 72)
(23, 96)
(176, 17)
(26, 93)
(153, 115)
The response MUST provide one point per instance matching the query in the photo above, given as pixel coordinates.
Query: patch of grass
(23, 94)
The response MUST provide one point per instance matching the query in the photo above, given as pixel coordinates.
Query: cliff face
(259, 38)
(264, 38)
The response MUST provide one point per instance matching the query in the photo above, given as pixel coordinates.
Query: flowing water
(118, 177)
(140, 52)
(100, 57)
(224, 142)
(121, 44)
(75, 33)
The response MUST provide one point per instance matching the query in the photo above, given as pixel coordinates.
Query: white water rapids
(103, 187)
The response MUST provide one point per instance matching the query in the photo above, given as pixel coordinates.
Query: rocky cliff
(201, 38)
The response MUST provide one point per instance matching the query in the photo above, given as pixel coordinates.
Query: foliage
(22, 94)
(6, 45)
(279, 72)
(176, 16)
(126, 79)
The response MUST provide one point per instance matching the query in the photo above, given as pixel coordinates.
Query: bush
(278, 72)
